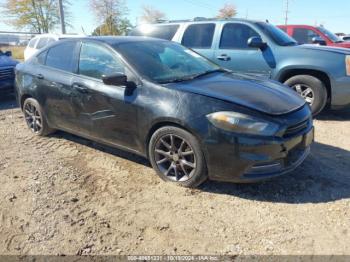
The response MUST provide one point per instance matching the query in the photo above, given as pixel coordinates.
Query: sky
(333, 14)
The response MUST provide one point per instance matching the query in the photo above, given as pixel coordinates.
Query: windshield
(330, 35)
(165, 62)
(277, 35)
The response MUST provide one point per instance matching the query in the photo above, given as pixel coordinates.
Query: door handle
(224, 57)
(80, 88)
(40, 76)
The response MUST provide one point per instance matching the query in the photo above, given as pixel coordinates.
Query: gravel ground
(67, 195)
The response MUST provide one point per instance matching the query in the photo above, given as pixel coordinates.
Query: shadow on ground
(334, 115)
(109, 150)
(323, 177)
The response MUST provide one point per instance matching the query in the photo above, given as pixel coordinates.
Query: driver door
(108, 111)
(234, 53)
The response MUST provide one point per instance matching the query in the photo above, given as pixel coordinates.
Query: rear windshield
(165, 32)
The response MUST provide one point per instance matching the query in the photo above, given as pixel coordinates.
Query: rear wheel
(35, 118)
(177, 157)
(312, 89)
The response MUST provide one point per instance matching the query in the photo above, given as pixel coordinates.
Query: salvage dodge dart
(192, 119)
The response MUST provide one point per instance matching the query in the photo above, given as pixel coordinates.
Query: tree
(108, 28)
(228, 11)
(39, 16)
(111, 15)
(151, 15)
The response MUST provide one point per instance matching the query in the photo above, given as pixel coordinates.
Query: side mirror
(319, 40)
(8, 53)
(256, 42)
(117, 79)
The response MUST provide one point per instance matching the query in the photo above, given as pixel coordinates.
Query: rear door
(234, 53)
(54, 80)
(199, 37)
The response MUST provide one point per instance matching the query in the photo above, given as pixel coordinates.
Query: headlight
(240, 123)
(347, 62)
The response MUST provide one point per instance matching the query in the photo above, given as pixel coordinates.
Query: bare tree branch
(227, 11)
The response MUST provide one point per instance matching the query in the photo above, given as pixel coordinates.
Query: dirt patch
(67, 195)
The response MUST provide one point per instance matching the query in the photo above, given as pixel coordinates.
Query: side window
(42, 43)
(166, 32)
(96, 61)
(235, 36)
(199, 36)
(41, 58)
(32, 42)
(61, 56)
(304, 36)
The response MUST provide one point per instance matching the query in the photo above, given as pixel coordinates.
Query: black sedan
(191, 118)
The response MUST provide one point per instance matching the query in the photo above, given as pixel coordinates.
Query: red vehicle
(306, 34)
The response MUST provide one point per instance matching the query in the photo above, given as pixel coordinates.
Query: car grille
(6, 73)
(295, 129)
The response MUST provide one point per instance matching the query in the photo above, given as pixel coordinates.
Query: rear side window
(166, 32)
(61, 56)
(32, 42)
(304, 36)
(199, 36)
(235, 36)
(96, 61)
(42, 43)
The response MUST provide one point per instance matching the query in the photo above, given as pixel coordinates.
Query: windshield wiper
(191, 77)
(209, 72)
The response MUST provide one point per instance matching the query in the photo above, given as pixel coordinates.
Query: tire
(178, 165)
(300, 83)
(35, 118)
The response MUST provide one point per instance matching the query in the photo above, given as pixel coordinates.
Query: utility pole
(287, 12)
(61, 11)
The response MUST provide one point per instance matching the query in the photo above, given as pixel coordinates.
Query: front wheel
(177, 157)
(312, 89)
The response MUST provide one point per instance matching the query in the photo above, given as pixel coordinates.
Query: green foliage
(120, 27)
(111, 15)
(39, 16)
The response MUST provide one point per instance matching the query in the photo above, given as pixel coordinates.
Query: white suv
(42, 41)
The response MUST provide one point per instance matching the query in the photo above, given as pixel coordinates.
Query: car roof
(301, 25)
(115, 40)
(201, 21)
(59, 36)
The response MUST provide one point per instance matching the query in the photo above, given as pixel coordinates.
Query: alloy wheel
(305, 92)
(175, 158)
(33, 117)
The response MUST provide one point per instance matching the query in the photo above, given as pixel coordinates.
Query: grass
(17, 51)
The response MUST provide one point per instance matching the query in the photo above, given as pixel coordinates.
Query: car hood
(331, 49)
(258, 94)
(6, 61)
(342, 44)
